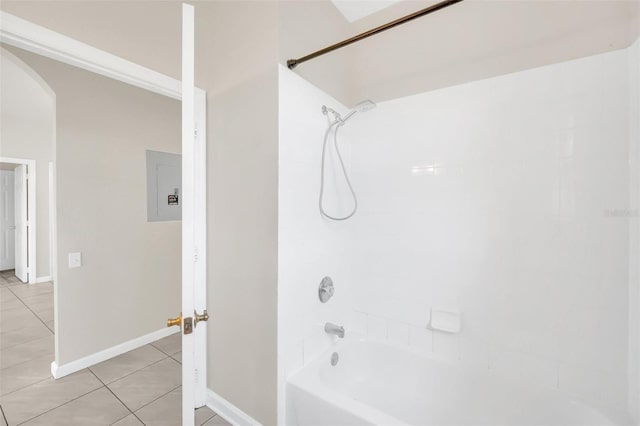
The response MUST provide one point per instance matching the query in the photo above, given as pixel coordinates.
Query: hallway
(140, 387)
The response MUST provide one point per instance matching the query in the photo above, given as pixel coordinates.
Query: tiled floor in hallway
(141, 387)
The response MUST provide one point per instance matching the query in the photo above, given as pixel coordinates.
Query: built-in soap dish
(447, 321)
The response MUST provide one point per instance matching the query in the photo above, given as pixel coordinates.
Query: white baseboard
(58, 371)
(228, 411)
(43, 279)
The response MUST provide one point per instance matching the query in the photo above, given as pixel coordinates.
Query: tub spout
(336, 330)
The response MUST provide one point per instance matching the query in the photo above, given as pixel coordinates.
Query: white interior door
(194, 327)
(7, 220)
(21, 231)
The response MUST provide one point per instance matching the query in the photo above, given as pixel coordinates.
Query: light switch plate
(75, 260)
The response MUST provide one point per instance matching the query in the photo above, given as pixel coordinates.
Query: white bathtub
(379, 384)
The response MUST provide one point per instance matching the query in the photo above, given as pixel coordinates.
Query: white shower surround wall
(506, 199)
(309, 246)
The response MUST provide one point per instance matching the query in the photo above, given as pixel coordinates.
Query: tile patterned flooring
(140, 387)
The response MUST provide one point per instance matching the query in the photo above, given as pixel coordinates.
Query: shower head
(363, 106)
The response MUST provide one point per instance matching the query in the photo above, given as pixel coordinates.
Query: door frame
(34, 38)
(31, 212)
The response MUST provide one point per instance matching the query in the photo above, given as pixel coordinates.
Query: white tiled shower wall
(506, 199)
(310, 248)
(634, 241)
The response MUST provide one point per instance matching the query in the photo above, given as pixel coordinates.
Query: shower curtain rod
(292, 63)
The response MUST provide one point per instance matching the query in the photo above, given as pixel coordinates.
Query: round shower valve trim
(326, 289)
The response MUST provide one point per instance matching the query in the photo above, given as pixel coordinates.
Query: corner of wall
(634, 233)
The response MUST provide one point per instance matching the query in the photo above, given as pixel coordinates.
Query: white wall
(503, 199)
(634, 231)
(307, 26)
(28, 117)
(129, 283)
(310, 247)
(506, 199)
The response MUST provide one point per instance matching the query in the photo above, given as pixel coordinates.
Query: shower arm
(292, 63)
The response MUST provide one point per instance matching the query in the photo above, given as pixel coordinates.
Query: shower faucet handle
(326, 289)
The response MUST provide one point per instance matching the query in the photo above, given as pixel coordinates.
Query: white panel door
(7, 221)
(188, 219)
(194, 244)
(21, 232)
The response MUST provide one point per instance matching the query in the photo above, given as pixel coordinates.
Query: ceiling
(471, 40)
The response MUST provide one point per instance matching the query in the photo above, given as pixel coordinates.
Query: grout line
(150, 402)
(36, 315)
(61, 405)
(152, 344)
(6, 422)
(26, 386)
(132, 414)
(165, 356)
(116, 396)
(24, 360)
(127, 375)
(206, 420)
(161, 396)
(26, 341)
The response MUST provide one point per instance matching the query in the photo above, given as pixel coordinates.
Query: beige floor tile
(40, 302)
(8, 303)
(45, 316)
(42, 297)
(11, 338)
(24, 374)
(16, 319)
(16, 313)
(127, 363)
(51, 326)
(164, 411)
(99, 407)
(6, 283)
(6, 294)
(177, 357)
(30, 290)
(27, 351)
(144, 386)
(203, 414)
(12, 280)
(167, 411)
(130, 420)
(34, 400)
(170, 345)
(217, 420)
(20, 309)
(39, 295)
